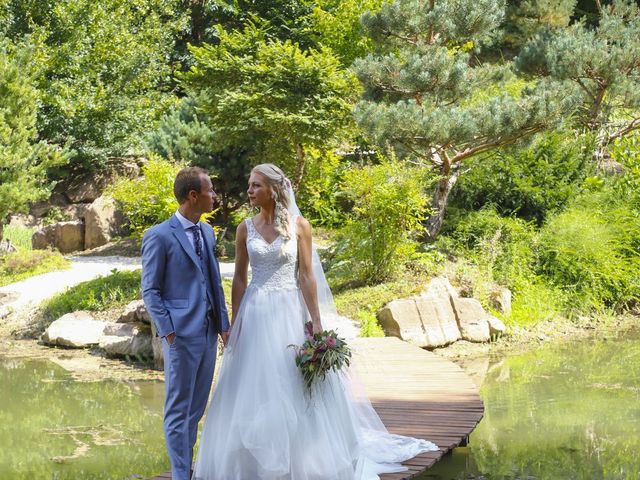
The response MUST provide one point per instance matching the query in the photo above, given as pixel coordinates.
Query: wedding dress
(261, 424)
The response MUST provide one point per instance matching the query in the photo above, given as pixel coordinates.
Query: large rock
(88, 186)
(102, 222)
(156, 345)
(472, 319)
(76, 211)
(135, 311)
(127, 340)
(67, 237)
(501, 300)
(496, 327)
(76, 330)
(425, 321)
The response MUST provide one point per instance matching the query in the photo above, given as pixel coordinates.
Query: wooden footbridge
(416, 393)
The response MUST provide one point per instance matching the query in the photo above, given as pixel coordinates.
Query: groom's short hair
(188, 179)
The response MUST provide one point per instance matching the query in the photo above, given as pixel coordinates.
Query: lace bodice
(273, 265)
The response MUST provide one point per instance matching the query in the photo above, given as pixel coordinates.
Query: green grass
(20, 237)
(99, 294)
(23, 264)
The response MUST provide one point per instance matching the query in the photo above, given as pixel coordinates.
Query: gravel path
(32, 291)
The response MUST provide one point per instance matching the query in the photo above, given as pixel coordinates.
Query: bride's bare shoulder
(303, 226)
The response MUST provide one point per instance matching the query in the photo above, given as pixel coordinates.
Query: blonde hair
(280, 185)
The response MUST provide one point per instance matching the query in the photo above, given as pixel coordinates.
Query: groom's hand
(170, 337)
(225, 338)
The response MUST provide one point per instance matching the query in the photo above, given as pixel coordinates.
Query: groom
(182, 291)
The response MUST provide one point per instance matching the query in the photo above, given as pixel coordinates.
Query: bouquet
(320, 353)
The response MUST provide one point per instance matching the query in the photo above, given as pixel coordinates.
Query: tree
(270, 96)
(187, 136)
(431, 98)
(23, 160)
(526, 18)
(104, 76)
(600, 66)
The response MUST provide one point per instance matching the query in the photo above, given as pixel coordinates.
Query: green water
(52, 427)
(557, 412)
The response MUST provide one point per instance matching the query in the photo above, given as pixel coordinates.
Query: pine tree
(429, 96)
(23, 161)
(600, 66)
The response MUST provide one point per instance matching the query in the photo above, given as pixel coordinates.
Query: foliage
(420, 89)
(337, 26)
(530, 183)
(526, 18)
(379, 237)
(23, 160)
(592, 251)
(102, 293)
(150, 199)
(20, 265)
(20, 237)
(187, 136)
(597, 66)
(103, 70)
(270, 96)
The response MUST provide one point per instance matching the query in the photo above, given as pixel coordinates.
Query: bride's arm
(239, 284)
(305, 273)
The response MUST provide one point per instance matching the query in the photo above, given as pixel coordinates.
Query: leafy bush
(148, 200)
(23, 264)
(380, 235)
(530, 183)
(99, 294)
(591, 251)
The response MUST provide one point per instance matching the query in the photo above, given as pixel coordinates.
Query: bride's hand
(317, 326)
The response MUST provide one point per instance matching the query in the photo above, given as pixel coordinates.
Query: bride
(261, 424)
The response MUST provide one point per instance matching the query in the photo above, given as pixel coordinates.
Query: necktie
(196, 240)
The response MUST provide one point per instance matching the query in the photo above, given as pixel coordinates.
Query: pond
(568, 411)
(54, 427)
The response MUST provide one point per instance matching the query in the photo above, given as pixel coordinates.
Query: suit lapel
(181, 236)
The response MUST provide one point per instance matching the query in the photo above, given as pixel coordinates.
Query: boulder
(127, 340)
(156, 345)
(24, 220)
(67, 237)
(496, 327)
(501, 300)
(76, 211)
(102, 222)
(76, 330)
(57, 199)
(472, 319)
(425, 321)
(135, 312)
(88, 186)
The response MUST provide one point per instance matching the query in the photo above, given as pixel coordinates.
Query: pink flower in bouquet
(331, 342)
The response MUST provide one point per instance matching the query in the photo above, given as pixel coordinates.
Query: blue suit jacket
(174, 287)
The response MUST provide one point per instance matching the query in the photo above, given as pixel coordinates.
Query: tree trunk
(1, 229)
(439, 204)
(301, 154)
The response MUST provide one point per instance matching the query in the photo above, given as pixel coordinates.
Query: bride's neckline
(260, 235)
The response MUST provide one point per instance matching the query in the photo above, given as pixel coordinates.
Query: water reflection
(559, 412)
(52, 427)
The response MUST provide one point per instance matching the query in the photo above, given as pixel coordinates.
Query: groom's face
(206, 197)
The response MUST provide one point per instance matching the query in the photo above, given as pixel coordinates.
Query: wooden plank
(416, 393)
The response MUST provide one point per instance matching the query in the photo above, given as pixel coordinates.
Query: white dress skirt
(261, 424)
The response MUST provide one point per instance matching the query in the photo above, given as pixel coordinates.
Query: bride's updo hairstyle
(280, 185)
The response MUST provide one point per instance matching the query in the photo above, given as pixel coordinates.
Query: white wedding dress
(260, 424)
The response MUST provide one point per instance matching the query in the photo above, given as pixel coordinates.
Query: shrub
(380, 235)
(530, 183)
(99, 294)
(591, 252)
(23, 264)
(148, 200)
